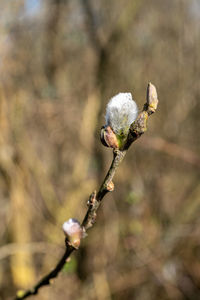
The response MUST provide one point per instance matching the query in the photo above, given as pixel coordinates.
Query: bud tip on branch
(74, 232)
(152, 98)
(121, 112)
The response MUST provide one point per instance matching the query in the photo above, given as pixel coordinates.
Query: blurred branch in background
(159, 144)
(40, 247)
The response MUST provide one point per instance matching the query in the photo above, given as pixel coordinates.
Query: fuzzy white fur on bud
(121, 112)
(73, 231)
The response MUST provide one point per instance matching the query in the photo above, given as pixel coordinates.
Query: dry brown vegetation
(59, 65)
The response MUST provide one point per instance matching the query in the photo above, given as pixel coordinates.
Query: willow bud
(109, 138)
(152, 98)
(74, 232)
(121, 112)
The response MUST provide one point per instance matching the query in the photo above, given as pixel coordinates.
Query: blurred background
(60, 62)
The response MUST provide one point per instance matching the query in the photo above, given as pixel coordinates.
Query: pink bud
(74, 232)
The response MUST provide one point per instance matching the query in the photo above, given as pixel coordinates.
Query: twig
(107, 186)
(137, 128)
(46, 280)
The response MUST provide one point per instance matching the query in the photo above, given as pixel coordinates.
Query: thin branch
(107, 186)
(46, 280)
(137, 128)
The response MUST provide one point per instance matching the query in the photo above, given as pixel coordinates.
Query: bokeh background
(60, 62)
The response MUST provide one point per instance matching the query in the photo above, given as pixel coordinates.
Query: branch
(137, 128)
(91, 25)
(107, 186)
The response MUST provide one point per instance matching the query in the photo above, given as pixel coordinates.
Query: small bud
(152, 98)
(121, 112)
(108, 137)
(74, 232)
(110, 186)
(92, 199)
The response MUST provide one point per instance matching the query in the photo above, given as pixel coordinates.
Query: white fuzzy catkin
(121, 112)
(72, 227)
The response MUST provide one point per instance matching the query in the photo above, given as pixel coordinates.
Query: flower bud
(152, 98)
(109, 138)
(74, 232)
(121, 112)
